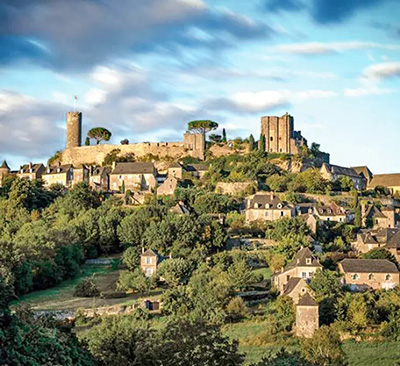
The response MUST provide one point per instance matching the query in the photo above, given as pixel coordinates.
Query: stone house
(99, 178)
(295, 288)
(4, 170)
(176, 170)
(307, 316)
(168, 187)
(333, 212)
(363, 274)
(31, 171)
(333, 172)
(368, 239)
(149, 261)
(235, 188)
(390, 181)
(312, 223)
(375, 217)
(304, 265)
(133, 176)
(81, 174)
(363, 171)
(180, 209)
(197, 170)
(60, 174)
(393, 246)
(265, 206)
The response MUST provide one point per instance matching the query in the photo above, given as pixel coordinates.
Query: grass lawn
(265, 271)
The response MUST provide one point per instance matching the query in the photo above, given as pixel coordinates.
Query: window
(272, 139)
(354, 276)
(149, 272)
(388, 277)
(282, 213)
(308, 260)
(148, 260)
(304, 274)
(371, 276)
(266, 213)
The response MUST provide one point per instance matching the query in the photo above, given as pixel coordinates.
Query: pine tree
(87, 141)
(223, 135)
(251, 143)
(261, 143)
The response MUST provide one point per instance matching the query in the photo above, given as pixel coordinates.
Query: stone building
(197, 170)
(81, 174)
(334, 172)
(304, 265)
(176, 170)
(375, 217)
(31, 171)
(4, 171)
(74, 129)
(99, 178)
(168, 187)
(133, 176)
(295, 288)
(60, 174)
(389, 181)
(196, 144)
(149, 261)
(280, 136)
(368, 239)
(265, 206)
(333, 212)
(363, 171)
(236, 188)
(364, 274)
(307, 316)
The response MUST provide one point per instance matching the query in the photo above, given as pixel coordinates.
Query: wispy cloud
(384, 70)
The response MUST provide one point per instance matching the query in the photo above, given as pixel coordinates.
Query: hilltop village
(265, 241)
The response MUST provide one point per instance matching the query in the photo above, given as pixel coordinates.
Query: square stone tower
(74, 129)
(307, 316)
(196, 144)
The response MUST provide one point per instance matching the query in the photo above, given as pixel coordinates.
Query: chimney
(143, 250)
(30, 166)
(271, 195)
(113, 165)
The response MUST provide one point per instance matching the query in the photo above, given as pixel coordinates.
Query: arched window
(388, 277)
(371, 276)
(354, 276)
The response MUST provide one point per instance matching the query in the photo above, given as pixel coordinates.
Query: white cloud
(366, 90)
(382, 70)
(315, 48)
(258, 101)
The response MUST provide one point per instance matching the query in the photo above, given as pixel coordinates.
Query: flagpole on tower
(75, 99)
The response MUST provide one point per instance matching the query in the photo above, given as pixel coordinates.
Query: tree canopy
(202, 126)
(99, 134)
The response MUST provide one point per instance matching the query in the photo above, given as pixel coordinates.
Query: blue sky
(144, 68)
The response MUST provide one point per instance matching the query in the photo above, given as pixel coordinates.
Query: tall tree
(202, 126)
(251, 143)
(99, 134)
(261, 143)
(223, 135)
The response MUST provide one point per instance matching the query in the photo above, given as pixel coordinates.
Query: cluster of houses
(138, 177)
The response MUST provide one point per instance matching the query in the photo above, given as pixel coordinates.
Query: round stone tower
(74, 129)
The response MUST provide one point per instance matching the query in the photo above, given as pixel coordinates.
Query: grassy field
(253, 342)
(265, 271)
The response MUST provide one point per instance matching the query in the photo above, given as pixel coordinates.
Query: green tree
(223, 135)
(175, 271)
(315, 150)
(87, 141)
(240, 274)
(324, 348)
(99, 134)
(251, 143)
(202, 126)
(215, 138)
(380, 253)
(131, 258)
(326, 283)
(282, 357)
(261, 143)
(135, 281)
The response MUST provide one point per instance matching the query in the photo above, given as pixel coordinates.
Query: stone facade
(333, 212)
(196, 144)
(99, 178)
(4, 171)
(375, 217)
(31, 171)
(168, 187)
(280, 136)
(133, 177)
(307, 316)
(363, 274)
(60, 174)
(235, 188)
(333, 172)
(74, 129)
(265, 206)
(149, 261)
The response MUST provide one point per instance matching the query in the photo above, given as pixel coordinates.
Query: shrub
(86, 288)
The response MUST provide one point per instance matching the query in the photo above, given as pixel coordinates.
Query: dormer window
(308, 260)
(371, 276)
(388, 277)
(58, 170)
(354, 276)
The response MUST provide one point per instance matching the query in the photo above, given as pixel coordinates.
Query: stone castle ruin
(193, 144)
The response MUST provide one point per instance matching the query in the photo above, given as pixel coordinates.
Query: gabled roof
(100, 170)
(180, 209)
(149, 253)
(175, 165)
(133, 168)
(5, 166)
(394, 241)
(374, 211)
(341, 170)
(307, 300)
(300, 259)
(196, 168)
(58, 169)
(363, 170)
(368, 266)
(25, 168)
(291, 285)
(386, 180)
(262, 199)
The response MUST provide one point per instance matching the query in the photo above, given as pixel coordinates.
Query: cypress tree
(261, 143)
(251, 143)
(223, 135)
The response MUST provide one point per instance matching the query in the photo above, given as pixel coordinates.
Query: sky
(144, 68)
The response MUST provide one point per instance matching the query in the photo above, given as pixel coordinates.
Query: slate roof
(196, 168)
(373, 211)
(307, 300)
(341, 170)
(25, 168)
(57, 169)
(175, 165)
(262, 200)
(386, 180)
(133, 168)
(377, 236)
(149, 253)
(180, 209)
(368, 266)
(98, 170)
(332, 210)
(291, 285)
(363, 170)
(394, 241)
(300, 259)
(4, 165)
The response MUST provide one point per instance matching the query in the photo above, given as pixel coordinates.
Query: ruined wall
(96, 154)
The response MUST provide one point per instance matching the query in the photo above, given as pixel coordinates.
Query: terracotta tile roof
(386, 180)
(180, 209)
(368, 266)
(133, 168)
(175, 165)
(307, 300)
(332, 210)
